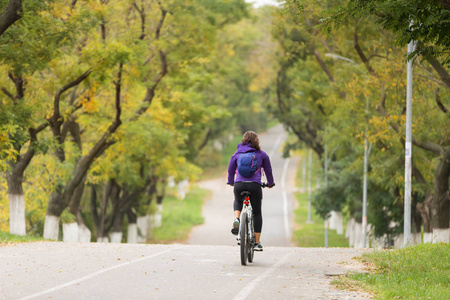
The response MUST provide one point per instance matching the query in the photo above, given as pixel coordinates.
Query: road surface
(55, 270)
(277, 205)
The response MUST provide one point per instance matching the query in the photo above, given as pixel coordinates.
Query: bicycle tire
(244, 239)
(251, 243)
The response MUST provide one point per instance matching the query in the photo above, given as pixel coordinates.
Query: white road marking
(243, 294)
(285, 200)
(61, 286)
(283, 187)
(276, 145)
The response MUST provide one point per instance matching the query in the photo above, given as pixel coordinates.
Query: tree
(25, 55)
(119, 57)
(134, 66)
(354, 72)
(425, 22)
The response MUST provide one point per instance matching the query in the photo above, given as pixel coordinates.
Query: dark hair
(251, 138)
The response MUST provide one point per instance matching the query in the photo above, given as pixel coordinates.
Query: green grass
(418, 272)
(313, 234)
(220, 170)
(6, 238)
(179, 216)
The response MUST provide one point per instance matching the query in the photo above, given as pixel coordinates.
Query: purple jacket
(263, 161)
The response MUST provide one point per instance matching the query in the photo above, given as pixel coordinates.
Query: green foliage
(312, 234)
(324, 83)
(425, 21)
(418, 272)
(179, 216)
(7, 151)
(38, 37)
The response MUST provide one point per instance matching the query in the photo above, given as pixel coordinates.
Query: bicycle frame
(246, 230)
(248, 209)
(249, 234)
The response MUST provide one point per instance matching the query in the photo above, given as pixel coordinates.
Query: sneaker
(258, 247)
(235, 228)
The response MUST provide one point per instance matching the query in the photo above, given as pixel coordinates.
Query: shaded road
(277, 207)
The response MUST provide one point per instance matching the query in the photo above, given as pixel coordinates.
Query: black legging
(255, 200)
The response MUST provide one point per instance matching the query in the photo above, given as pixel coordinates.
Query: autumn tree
(370, 69)
(26, 57)
(426, 23)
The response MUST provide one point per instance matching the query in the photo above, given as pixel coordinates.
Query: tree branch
(205, 140)
(77, 81)
(161, 21)
(141, 12)
(376, 55)
(361, 54)
(431, 77)
(150, 94)
(18, 82)
(72, 5)
(382, 103)
(102, 144)
(10, 15)
(437, 66)
(438, 101)
(325, 68)
(446, 4)
(7, 93)
(429, 146)
(322, 63)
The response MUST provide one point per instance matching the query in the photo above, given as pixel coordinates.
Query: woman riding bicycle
(249, 147)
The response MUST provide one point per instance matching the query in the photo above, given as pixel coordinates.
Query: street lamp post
(309, 220)
(408, 149)
(366, 162)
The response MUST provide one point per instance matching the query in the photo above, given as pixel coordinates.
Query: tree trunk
(159, 206)
(141, 223)
(54, 210)
(440, 210)
(116, 232)
(14, 179)
(16, 204)
(70, 232)
(132, 234)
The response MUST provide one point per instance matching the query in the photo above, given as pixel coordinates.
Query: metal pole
(364, 218)
(366, 159)
(326, 183)
(304, 175)
(327, 223)
(309, 187)
(408, 149)
(326, 165)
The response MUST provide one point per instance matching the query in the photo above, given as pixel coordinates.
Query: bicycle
(246, 235)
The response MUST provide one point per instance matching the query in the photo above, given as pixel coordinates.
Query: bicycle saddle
(246, 193)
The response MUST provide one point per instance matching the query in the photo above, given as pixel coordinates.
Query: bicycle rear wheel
(251, 242)
(244, 239)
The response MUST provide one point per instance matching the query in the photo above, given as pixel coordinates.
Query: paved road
(208, 268)
(52, 270)
(278, 203)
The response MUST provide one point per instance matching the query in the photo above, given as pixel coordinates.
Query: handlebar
(264, 185)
